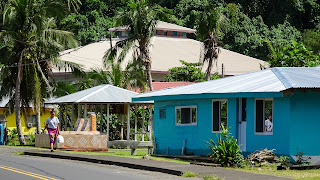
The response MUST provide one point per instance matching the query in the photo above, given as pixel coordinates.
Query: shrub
(226, 151)
(284, 160)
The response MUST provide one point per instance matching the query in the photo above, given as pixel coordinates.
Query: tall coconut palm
(141, 19)
(210, 25)
(28, 32)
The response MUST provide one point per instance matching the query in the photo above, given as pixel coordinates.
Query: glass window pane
(268, 109)
(194, 115)
(185, 116)
(259, 116)
(178, 116)
(224, 113)
(215, 112)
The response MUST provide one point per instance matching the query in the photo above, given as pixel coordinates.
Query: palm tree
(28, 32)
(141, 19)
(210, 25)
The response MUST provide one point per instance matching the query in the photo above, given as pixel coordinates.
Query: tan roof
(165, 54)
(160, 26)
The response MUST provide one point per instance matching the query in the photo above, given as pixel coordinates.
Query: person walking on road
(52, 124)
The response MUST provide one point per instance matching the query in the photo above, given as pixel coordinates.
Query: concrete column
(101, 117)
(150, 123)
(79, 111)
(135, 122)
(66, 119)
(143, 120)
(108, 105)
(85, 114)
(71, 122)
(60, 115)
(122, 122)
(128, 122)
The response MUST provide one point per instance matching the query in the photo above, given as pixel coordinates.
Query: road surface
(15, 167)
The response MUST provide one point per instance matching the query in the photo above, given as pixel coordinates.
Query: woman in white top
(268, 124)
(52, 124)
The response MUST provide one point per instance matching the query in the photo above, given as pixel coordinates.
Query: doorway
(242, 123)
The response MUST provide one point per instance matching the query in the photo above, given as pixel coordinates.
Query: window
(162, 113)
(219, 114)
(264, 122)
(186, 115)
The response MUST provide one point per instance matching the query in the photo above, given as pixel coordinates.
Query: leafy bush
(226, 151)
(284, 160)
(302, 160)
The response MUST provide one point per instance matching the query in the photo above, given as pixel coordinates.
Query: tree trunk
(17, 103)
(149, 77)
(38, 119)
(208, 71)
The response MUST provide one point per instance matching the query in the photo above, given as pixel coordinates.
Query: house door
(242, 123)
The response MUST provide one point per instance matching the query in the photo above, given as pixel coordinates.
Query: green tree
(292, 55)
(188, 72)
(211, 24)
(311, 38)
(29, 33)
(141, 19)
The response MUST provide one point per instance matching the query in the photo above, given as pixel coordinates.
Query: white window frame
(190, 124)
(214, 100)
(255, 120)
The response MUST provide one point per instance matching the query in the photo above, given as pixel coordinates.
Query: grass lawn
(271, 169)
(127, 153)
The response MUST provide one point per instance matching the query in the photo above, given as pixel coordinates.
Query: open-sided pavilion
(104, 98)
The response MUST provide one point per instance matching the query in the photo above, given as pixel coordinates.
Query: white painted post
(122, 121)
(128, 122)
(85, 112)
(60, 115)
(150, 123)
(71, 122)
(101, 117)
(66, 119)
(108, 105)
(135, 122)
(143, 120)
(79, 111)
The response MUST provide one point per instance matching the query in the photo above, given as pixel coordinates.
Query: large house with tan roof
(169, 45)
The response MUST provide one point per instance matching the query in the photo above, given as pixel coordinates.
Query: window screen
(259, 116)
(244, 109)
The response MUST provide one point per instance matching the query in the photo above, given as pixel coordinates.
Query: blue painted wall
(296, 125)
(305, 123)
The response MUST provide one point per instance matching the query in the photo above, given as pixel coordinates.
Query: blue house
(186, 117)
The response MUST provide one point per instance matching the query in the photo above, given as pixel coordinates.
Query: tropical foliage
(225, 150)
(30, 45)
(292, 55)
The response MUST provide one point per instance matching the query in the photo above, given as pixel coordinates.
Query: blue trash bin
(1, 134)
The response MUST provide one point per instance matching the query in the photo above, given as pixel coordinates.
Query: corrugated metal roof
(269, 80)
(100, 94)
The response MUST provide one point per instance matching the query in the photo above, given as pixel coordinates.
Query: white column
(85, 112)
(101, 117)
(108, 105)
(143, 120)
(122, 122)
(150, 123)
(128, 122)
(60, 115)
(66, 119)
(79, 111)
(71, 122)
(135, 122)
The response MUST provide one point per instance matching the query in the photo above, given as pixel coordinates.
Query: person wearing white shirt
(268, 124)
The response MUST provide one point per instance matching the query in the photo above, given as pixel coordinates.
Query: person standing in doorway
(268, 124)
(52, 124)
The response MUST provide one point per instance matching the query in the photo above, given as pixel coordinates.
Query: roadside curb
(108, 162)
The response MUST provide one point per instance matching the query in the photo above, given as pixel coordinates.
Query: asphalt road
(15, 167)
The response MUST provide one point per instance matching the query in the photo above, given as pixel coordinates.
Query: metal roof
(100, 94)
(269, 80)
